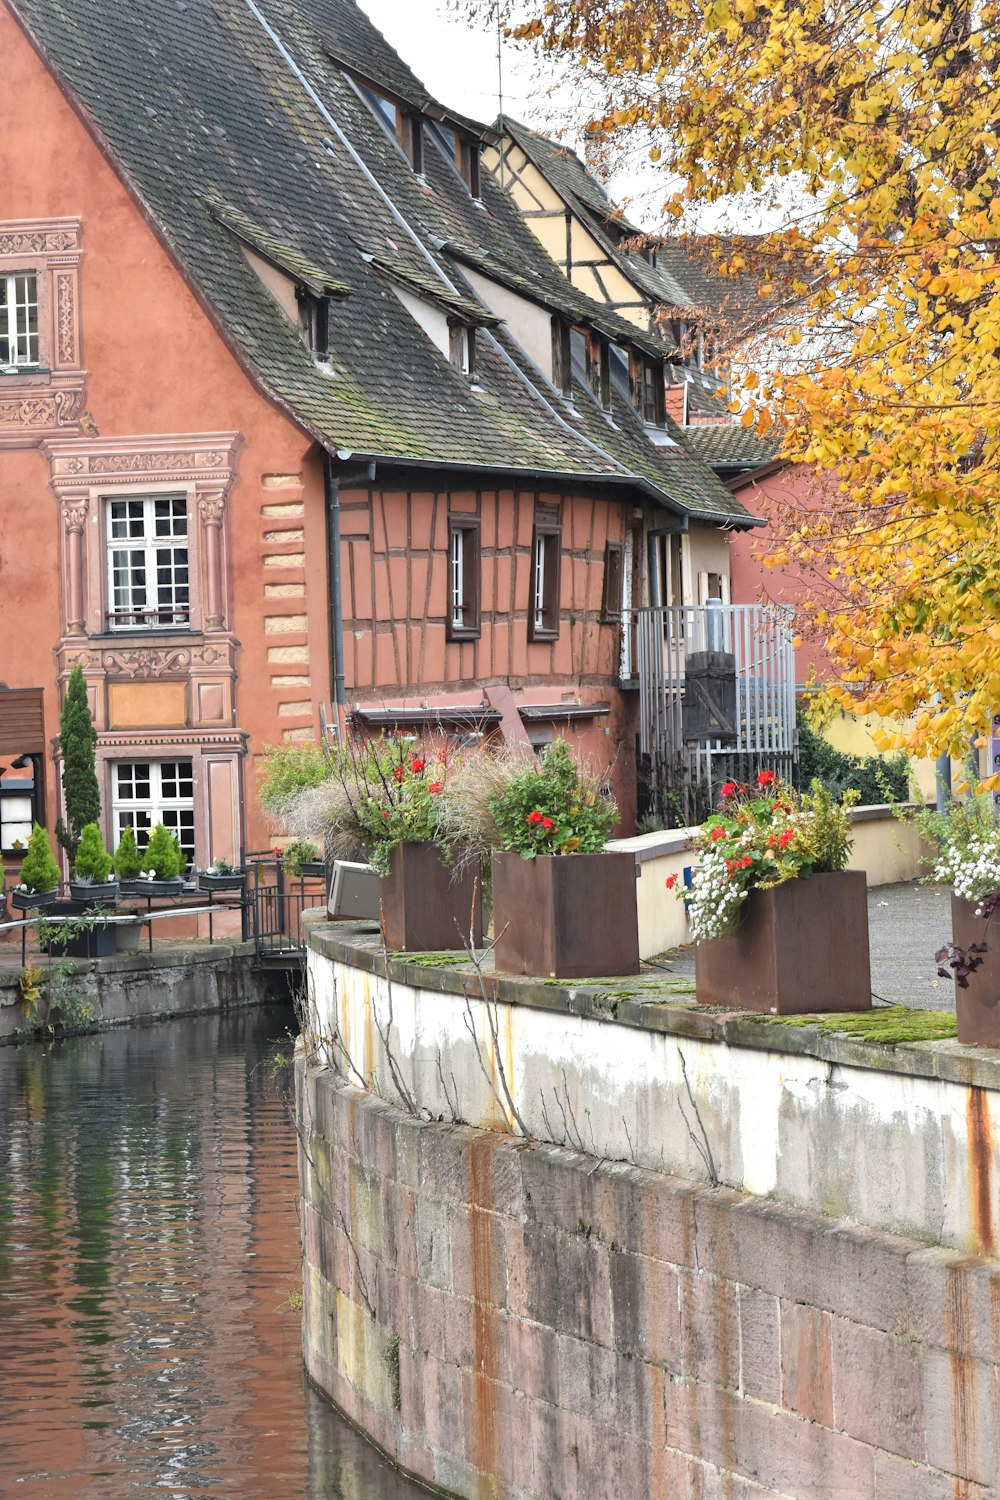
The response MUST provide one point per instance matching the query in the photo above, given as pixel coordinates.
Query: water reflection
(149, 1270)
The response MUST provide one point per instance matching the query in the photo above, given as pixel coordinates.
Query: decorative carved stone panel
(47, 400)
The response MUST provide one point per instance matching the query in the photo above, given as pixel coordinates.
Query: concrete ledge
(901, 1138)
(182, 979)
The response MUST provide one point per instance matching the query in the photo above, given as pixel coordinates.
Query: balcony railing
(716, 697)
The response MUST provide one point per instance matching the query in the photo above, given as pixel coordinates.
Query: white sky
(457, 59)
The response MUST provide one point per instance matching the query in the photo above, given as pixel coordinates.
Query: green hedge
(877, 778)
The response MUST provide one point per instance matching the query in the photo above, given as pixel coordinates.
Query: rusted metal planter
(800, 947)
(977, 1008)
(565, 916)
(426, 904)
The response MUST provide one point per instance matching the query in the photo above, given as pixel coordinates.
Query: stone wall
(179, 980)
(903, 1136)
(512, 1320)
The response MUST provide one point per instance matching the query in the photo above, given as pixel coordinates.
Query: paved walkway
(907, 923)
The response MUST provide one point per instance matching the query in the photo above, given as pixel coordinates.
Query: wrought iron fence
(716, 701)
(276, 901)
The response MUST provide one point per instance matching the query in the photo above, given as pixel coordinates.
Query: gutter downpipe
(332, 482)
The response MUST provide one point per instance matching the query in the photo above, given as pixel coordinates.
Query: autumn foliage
(876, 127)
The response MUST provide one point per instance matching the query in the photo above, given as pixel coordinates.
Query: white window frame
(15, 320)
(158, 807)
(172, 615)
(457, 580)
(541, 562)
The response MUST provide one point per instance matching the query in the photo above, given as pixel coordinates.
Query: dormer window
(599, 368)
(18, 321)
(314, 320)
(462, 150)
(653, 403)
(463, 347)
(562, 357)
(412, 141)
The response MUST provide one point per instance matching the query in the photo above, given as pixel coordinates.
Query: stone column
(75, 519)
(212, 507)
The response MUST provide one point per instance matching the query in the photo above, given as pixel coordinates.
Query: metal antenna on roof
(502, 152)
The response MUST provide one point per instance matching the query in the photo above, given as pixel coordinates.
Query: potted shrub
(381, 801)
(302, 859)
(563, 906)
(222, 876)
(92, 878)
(128, 864)
(39, 877)
(781, 925)
(162, 863)
(77, 743)
(967, 837)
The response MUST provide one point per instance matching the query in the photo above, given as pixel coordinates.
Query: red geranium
(671, 882)
(416, 766)
(534, 817)
(398, 772)
(717, 834)
(435, 787)
(766, 778)
(547, 823)
(728, 789)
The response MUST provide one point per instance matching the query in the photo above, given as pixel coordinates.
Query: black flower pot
(172, 887)
(132, 886)
(89, 892)
(30, 900)
(209, 882)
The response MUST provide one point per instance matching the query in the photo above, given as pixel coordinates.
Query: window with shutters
(464, 570)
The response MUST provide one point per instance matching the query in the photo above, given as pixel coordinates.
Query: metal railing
(716, 701)
(276, 901)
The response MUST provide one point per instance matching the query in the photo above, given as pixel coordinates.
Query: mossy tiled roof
(216, 102)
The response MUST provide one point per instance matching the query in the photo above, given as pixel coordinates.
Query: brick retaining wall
(575, 1329)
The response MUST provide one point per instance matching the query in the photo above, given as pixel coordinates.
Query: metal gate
(692, 742)
(276, 902)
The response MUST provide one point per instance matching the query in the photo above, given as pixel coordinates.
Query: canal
(149, 1274)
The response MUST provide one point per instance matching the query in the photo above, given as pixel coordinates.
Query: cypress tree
(78, 741)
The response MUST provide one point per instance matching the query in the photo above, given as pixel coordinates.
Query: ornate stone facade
(47, 400)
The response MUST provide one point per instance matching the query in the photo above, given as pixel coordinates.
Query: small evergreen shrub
(128, 860)
(875, 778)
(77, 741)
(39, 871)
(93, 863)
(163, 859)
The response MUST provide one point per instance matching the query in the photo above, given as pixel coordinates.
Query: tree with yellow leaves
(882, 120)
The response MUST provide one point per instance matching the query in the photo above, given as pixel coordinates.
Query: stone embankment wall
(179, 980)
(515, 1319)
(511, 1319)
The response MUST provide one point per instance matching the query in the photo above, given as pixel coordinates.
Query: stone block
(899, 1479)
(776, 1450)
(559, 1189)
(960, 1409)
(507, 1190)
(760, 1345)
(432, 1225)
(412, 1385)
(527, 1357)
(877, 1389)
(646, 1309)
(798, 1256)
(399, 1244)
(550, 1439)
(602, 1385)
(478, 1256)
(646, 1212)
(807, 1362)
(408, 1136)
(444, 1407)
(444, 1162)
(710, 1329)
(364, 1208)
(953, 1301)
(560, 1280)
